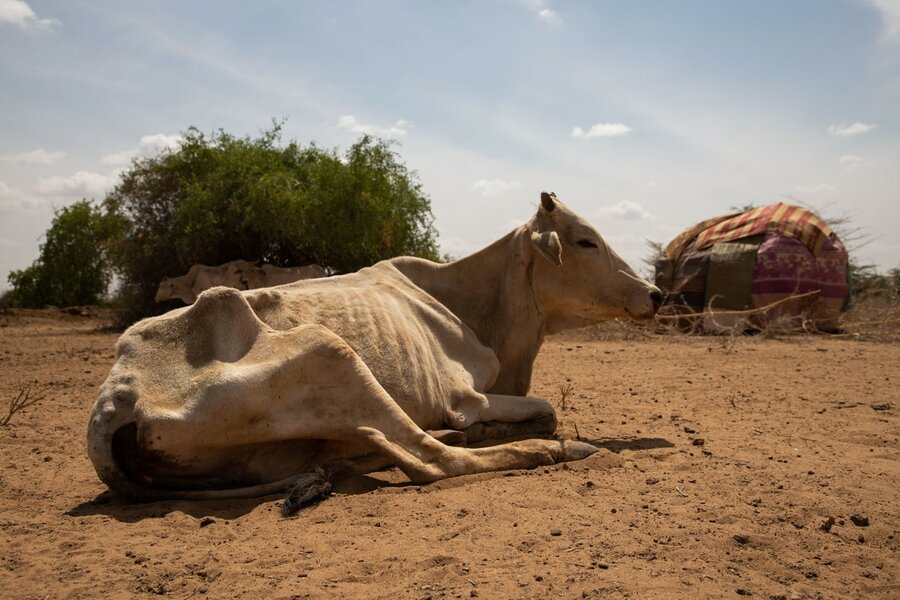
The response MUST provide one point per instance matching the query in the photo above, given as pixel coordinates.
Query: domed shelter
(753, 259)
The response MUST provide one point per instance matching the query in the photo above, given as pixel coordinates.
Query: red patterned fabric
(785, 219)
(786, 267)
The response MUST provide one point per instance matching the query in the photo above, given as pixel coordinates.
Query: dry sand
(721, 466)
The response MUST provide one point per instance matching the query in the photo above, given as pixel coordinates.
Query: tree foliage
(219, 198)
(73, 267)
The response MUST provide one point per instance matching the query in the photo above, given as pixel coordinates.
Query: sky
(644, 117)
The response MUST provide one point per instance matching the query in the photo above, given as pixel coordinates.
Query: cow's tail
(112, 430)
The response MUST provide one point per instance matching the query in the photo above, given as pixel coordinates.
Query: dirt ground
(722, 464)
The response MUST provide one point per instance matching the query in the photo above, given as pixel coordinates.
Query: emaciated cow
(247, 394)
(199, 278)
(270, 275)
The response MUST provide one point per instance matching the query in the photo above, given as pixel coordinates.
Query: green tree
(73, 267)
(219, 198)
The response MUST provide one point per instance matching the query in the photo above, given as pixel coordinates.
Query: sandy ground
(720, 467)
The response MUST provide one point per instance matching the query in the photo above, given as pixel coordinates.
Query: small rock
(205, 521)
(538, 577)
(652, 480)
(689, 430)
(698, 442)
(473, 594)
(743, 592)
(602, 565)
(555, 532)
(860, 520)
(861, 539)
(811, 574)
(827, 524)
(741, 539)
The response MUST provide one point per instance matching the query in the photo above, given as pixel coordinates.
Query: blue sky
(643, 116)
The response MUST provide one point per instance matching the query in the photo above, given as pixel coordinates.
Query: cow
(404, 363)
(188, 287)
(270, 275)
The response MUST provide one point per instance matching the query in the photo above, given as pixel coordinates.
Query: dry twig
(722, 313)
(26, 397)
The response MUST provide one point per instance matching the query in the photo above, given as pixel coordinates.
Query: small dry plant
(27, 396)
(565, 390)
(874, 317)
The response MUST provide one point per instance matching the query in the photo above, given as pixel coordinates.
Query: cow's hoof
(575, 450)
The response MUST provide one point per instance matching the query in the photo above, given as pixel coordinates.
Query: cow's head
(174, 287)
(577, 278)
(165, 290)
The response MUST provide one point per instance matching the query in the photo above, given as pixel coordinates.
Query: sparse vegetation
(73, 268)
(27, 396)
(220, 197)
(565, 390)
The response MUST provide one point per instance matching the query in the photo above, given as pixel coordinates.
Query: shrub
(219, 198)
(73, 267)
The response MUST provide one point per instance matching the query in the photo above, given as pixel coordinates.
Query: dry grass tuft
(565, 390)
(875, 317)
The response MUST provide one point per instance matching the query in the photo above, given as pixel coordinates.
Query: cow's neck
(491, 292)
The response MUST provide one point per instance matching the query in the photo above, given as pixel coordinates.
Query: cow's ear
(547, 244)
(548, 201)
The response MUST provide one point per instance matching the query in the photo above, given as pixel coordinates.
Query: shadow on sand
(619, 445)
(109, 505)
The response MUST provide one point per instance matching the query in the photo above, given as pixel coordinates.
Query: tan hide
(243, 392)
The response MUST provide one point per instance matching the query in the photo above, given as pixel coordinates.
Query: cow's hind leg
(340, 399)
(498, 417)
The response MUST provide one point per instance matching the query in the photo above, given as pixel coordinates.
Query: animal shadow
(109, 505)
(618, 445)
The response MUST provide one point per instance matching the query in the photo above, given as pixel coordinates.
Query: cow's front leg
(498, 417)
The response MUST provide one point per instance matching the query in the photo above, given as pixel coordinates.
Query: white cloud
(493, 187)
(82, 183)
(890, 17)
(549, 16)
(6, 192)
(12, 199)
(545, 14)
(625, 209)
(844, 130)
(18, 14)
(351, 124)
(851, 161)
(35, 157)
(601, 130)
(150, 145)
(815, 189)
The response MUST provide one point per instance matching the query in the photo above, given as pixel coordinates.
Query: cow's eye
(587, 244)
